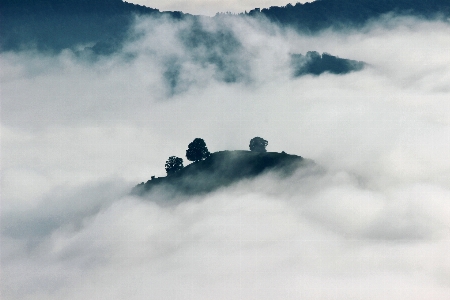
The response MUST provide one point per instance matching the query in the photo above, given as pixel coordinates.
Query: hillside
(222, 169)
(316, 64)
(341, 14)
(54, 25)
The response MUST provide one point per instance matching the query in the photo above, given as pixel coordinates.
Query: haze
(79, 132)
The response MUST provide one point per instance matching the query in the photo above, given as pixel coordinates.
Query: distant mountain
(222, 169)
(316, 64)
(53, 25)
(341, 14)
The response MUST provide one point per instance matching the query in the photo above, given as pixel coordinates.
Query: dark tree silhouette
(258, 144)
(173, 164)
(197, 150)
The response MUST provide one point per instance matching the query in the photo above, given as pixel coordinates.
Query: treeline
(197, 151)
(54, 25)
(211, 171)
(322, 14)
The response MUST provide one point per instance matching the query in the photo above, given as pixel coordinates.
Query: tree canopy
(173, 164)
(197, 150)
(258, 144)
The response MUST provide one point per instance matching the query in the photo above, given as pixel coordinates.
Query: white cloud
(77, 134)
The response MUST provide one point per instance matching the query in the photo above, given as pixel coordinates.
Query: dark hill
(321, 14)
(316, 64)
(222, 169)
(53, 25)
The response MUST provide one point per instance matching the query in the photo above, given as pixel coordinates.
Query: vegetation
(197, 150)
(341, 14)
(316, 64)
(212, 171)
(173, 164)
(53, 25)
(222, 169)
(258, 144)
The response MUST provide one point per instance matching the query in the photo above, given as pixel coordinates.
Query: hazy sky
(77, 134)
(211, 7)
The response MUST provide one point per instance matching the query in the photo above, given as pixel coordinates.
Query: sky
(211, 7)
(78, 132)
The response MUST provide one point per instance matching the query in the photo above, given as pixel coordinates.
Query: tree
(258, 144)
(197, 150)
(173, 165)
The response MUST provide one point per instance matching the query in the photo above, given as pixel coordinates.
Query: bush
(258, 144)
(197, 150)
(173, 165)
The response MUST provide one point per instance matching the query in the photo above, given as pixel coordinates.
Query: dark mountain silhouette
(341, 14)
(53, 25)
(316, 64)
(222, 169)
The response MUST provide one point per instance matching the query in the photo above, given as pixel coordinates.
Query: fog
(79, 131)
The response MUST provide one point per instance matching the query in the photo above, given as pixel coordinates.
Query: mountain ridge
(341, 14)
(222, 169)
(54, 25)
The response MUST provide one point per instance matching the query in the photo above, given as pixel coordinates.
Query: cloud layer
(78, 133)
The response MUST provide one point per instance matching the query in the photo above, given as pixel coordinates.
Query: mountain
(53, 25)
(221, 169)
(341, 14)
(316, 64)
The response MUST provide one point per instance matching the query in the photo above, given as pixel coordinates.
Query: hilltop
(222, 169)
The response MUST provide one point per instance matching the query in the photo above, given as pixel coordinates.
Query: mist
(79, 131)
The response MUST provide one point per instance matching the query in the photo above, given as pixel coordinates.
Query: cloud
(77, 134)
